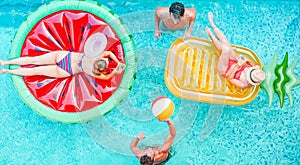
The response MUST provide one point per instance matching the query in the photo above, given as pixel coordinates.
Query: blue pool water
(207, 133)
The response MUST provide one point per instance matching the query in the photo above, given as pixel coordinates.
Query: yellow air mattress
(191, 73)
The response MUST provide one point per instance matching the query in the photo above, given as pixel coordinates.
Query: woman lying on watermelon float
(60, 64)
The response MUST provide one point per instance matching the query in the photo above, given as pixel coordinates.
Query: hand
(187, 35)
(120, 68)
(165, 120)
(233, 68)
(241, 60)
(157, 33)
(141, 136)
(236, 65)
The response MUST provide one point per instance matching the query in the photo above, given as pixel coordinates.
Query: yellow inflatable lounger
(191, 73)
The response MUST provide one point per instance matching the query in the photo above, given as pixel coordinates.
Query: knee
(34, 61)
(35, 71)
(225, 49)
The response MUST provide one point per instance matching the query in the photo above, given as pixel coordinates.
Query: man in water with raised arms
(176, 17)
(155, 154)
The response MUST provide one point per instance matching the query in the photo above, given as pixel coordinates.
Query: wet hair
(99, 67)
(146, 160)
(177, 9)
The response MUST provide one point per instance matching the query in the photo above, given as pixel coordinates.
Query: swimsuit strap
(80, 62)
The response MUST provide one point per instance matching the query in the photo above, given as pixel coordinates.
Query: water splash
(280, 79)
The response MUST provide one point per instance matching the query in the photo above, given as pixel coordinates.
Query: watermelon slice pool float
(66, 25)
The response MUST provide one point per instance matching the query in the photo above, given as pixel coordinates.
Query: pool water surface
(206, 133)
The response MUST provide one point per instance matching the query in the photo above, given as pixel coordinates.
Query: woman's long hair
(99, 67)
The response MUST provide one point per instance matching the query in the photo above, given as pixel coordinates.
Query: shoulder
(101, 76)
(191, 13)
(161, 11)
(137, 152)
(191, 10)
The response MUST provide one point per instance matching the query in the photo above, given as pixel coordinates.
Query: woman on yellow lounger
(238, 70)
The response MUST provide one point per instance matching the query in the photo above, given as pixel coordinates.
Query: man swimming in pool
(176, 17)
(60, 64)
(237, 69)
(157, 154)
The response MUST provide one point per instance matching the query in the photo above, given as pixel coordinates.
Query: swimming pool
(207, 134)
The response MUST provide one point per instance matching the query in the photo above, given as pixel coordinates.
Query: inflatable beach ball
(162, 108)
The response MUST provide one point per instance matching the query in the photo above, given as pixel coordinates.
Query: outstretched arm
(157, 20)
(231, 71)
(170, 138)
(133, 146)
(230, 76)
(111, 55)
(192, 18)
(238, 83)
(107, 76)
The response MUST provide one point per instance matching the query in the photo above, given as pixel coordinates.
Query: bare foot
(3, 71)
(207, 30)
(211, 19)
(1, 63)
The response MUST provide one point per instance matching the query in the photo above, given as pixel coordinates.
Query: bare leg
(46, 59)
(218, 32)
(216, 42)
(49, 70)
(224, 57)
